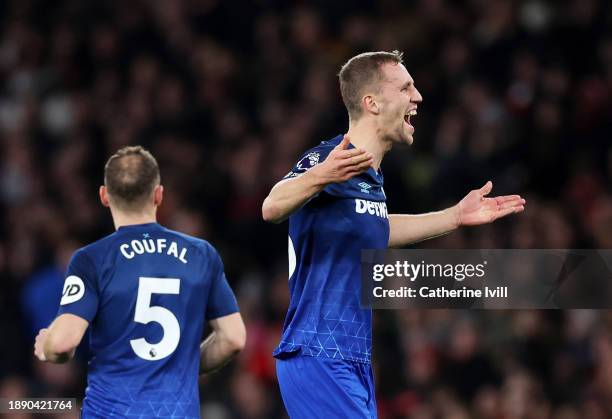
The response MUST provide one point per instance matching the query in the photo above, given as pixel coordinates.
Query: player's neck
(364, 134)
(121, 219)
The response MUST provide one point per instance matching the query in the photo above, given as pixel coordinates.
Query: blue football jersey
(146, 292)
(326, 237)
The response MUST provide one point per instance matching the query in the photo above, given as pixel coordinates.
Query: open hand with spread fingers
(343, 163)
(475, 208)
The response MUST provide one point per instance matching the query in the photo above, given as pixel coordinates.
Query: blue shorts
(326, 388)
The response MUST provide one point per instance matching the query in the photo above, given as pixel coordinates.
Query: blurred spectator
(41, 294)
(227, 94)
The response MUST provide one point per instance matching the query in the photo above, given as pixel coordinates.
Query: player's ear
(158, 195)
(370, 104)
(104, 196)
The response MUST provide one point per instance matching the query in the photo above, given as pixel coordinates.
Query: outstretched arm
(289, 195)
(58, 343)
(474, 209)
(226, 340)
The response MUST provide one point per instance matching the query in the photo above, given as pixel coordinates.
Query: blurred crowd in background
(228, 94)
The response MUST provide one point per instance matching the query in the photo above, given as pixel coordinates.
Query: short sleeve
(221, 300)
(80, 293)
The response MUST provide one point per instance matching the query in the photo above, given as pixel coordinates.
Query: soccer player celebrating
(144, 291)
(335, 203)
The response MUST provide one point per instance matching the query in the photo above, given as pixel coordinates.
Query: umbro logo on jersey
(364, 187)
(373, 208)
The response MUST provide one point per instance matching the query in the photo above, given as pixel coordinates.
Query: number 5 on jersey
(146, 313)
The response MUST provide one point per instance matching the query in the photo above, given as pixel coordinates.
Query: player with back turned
(336, 206)
(145, 293)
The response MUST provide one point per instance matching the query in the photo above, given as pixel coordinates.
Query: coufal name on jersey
(142, 246)
(363, 206)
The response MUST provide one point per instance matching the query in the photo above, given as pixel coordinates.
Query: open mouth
(408, 115)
